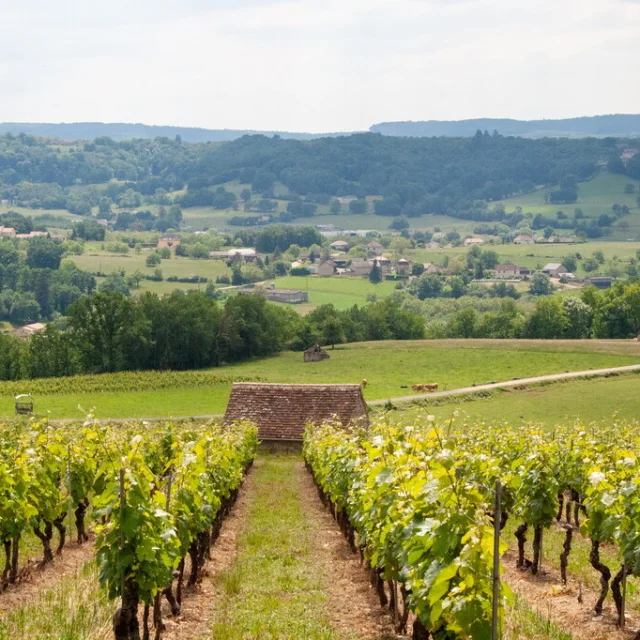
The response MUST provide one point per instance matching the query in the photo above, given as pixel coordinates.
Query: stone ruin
(315, 354)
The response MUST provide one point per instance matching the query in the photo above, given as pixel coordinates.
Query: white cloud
(316, 65)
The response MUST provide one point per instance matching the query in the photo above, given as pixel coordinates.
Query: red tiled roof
(282, 411)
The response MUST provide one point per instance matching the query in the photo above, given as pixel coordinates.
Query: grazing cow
(364, 383)
(425, 387)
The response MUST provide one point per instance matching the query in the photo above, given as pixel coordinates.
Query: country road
(511, 383)
(422, 396)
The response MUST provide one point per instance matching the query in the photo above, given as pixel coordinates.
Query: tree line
(108, 332)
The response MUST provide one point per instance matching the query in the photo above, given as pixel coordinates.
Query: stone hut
(282, 411)
(315, 354)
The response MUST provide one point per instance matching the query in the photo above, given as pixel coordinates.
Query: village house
(473, 242)
(7, 232)
(403, 267)
(346, 199)
(361, 267)
(507, 270)
(432, 245)
(340, 245)
(327, 268)
(32, 234)
(374, 248)
(555, 270)
(524, 239)
(168, 242)
(384, 264)
(29, 330)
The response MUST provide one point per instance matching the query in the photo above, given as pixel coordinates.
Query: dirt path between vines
(551, 600)
(198, 603)
(352, 604)
(35, 580)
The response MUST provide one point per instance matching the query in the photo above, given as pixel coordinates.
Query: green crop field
(106, 262)
(389, 367)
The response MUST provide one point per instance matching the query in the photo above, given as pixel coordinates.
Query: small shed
(315, 354)
(282, 411)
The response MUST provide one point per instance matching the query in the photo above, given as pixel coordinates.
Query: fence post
(122, 508)
(624, 595)
(497, 517)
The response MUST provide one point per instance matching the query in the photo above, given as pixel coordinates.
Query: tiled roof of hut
(282, 411)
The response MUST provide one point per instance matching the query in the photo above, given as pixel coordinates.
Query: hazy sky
(315, 65)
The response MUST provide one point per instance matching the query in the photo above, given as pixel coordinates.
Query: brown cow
(425, 387)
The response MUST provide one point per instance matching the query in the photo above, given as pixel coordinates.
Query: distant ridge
(620, 125)
(126, 131)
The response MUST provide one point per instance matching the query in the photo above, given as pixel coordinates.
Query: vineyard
(419, 505)
(439, 515)
(156, 496)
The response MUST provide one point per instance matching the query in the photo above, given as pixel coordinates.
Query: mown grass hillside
(389, 367)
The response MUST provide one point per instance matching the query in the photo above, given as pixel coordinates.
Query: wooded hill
(411, 176)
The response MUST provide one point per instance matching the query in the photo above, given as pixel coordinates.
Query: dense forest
(411, 176)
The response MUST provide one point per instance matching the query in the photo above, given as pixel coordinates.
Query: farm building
(29, 330)
(384, 264)
(374, 248)
(7, 232)
(327, 268)
(340, 245)
(432, 245)
(168, 242)
(601, 282)
(554, 270)
(361, 267)
(524, 239)
(403, 267)
(473, 242)
(429, 267)
(507, 270)
(282, 411)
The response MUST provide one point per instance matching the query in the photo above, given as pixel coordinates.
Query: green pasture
(340, 291)
(581, 401)
(390, 367)
(181, 267)
(595, 197)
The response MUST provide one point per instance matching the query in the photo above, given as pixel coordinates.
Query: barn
(282, 411)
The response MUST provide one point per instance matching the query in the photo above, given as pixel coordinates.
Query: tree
(359, 206)
(375, 275)
(109, 330)
(540, 285)
(599, 256)
(153, 259)
(44, 253)
(548, 232)
(335, 207)
(245, 195)
(590, 265)
(629, 187)
(570, 263)
(332, 332)
(464, 323)
(579, 317)
(548, 320)
(115, 282)
(428, 285)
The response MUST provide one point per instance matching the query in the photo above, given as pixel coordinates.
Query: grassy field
(342, 292)
(389, 367)
(553, 404)
(537, 255)
(595, 197)
(107, 262)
